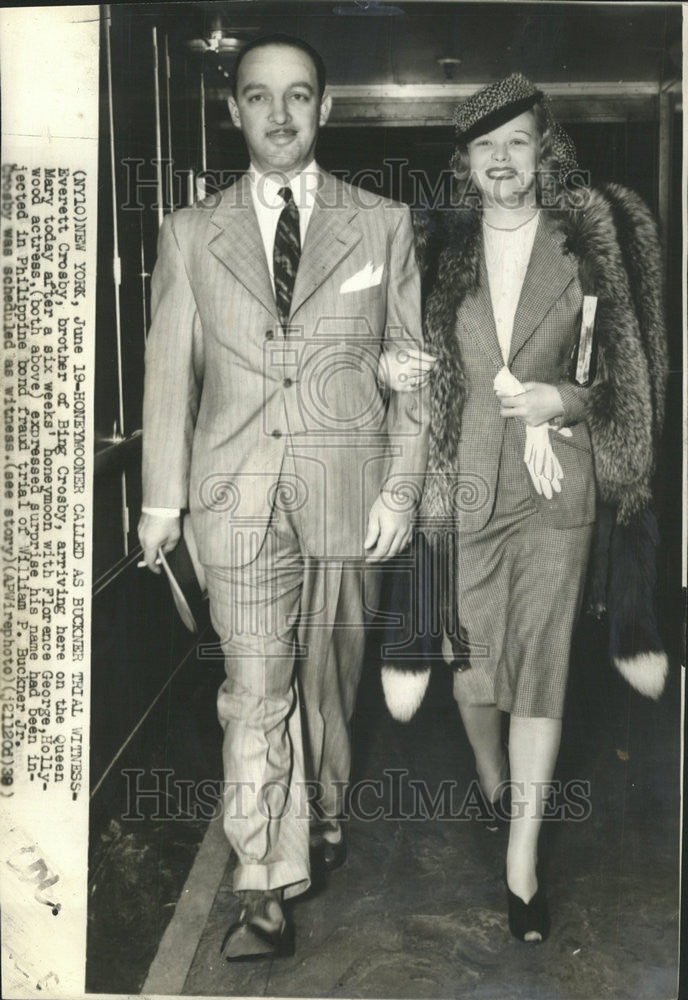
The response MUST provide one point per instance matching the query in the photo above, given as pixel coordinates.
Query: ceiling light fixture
(223, 41)
(449, 66)
(370, 7)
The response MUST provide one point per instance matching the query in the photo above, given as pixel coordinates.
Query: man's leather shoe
(257, 934)
(327, 856)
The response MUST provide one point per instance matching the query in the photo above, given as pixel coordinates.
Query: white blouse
(507, 253)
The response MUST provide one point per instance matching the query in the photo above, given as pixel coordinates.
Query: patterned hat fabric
(493, 105)
(499, 102)
(563, 148)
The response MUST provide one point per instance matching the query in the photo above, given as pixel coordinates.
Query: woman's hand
(404, 369)
(538, 403)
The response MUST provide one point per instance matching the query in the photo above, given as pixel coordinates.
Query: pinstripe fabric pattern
(265, 814)
(331, 640)
(226, 401)
(279, 446)
(273, 740)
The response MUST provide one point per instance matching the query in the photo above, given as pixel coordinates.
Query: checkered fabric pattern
(519, 588)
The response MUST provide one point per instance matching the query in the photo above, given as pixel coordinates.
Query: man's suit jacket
(546, 327)
(232, 406)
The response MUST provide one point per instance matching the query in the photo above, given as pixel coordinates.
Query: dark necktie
(286, 254)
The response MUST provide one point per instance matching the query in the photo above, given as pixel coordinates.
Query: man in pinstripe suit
(263, 416)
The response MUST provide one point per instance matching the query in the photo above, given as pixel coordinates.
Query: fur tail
(404, 691)
(646, 672)
(634, 642)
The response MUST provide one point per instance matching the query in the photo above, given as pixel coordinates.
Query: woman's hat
(494, 105)
(499, 102)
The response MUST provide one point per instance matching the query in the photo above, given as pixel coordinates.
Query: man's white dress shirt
(269, 204)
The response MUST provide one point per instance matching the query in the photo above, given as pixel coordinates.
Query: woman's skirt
(519, 589)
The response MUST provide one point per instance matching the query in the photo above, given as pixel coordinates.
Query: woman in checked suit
(529, 442)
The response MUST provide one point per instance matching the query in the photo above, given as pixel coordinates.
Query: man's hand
(157, 532)
(538, 403)
(389, 530)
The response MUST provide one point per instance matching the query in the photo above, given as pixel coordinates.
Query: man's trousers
(292, 632)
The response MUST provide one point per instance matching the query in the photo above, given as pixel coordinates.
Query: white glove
(542, 464)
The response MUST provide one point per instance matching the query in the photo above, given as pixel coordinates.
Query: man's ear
(234, 111)
(325, 108)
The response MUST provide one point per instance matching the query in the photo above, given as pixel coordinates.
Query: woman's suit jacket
(546, 328)
(615, 255)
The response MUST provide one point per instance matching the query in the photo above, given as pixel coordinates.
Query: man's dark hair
(289, 41)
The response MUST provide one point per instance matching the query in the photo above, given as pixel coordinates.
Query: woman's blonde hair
(551, 172)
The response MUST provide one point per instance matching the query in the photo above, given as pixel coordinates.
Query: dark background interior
(138, 646)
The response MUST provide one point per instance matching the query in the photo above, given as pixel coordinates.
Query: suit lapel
(238, 244)
(477, 316)
(549, 272)
(329, 238)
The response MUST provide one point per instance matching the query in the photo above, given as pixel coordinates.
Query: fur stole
(626, 407)
(613, 237)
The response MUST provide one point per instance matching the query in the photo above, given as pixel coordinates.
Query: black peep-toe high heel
(530, 916)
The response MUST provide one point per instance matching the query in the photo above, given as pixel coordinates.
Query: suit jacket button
(269, 334)
(277, 434)
(287, 383)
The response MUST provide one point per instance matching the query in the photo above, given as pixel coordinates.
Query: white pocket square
(367, 277)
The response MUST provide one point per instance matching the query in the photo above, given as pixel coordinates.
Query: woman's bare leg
(483, 725)
(533, 749)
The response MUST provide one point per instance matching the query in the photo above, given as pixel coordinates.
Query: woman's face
(503, 162)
